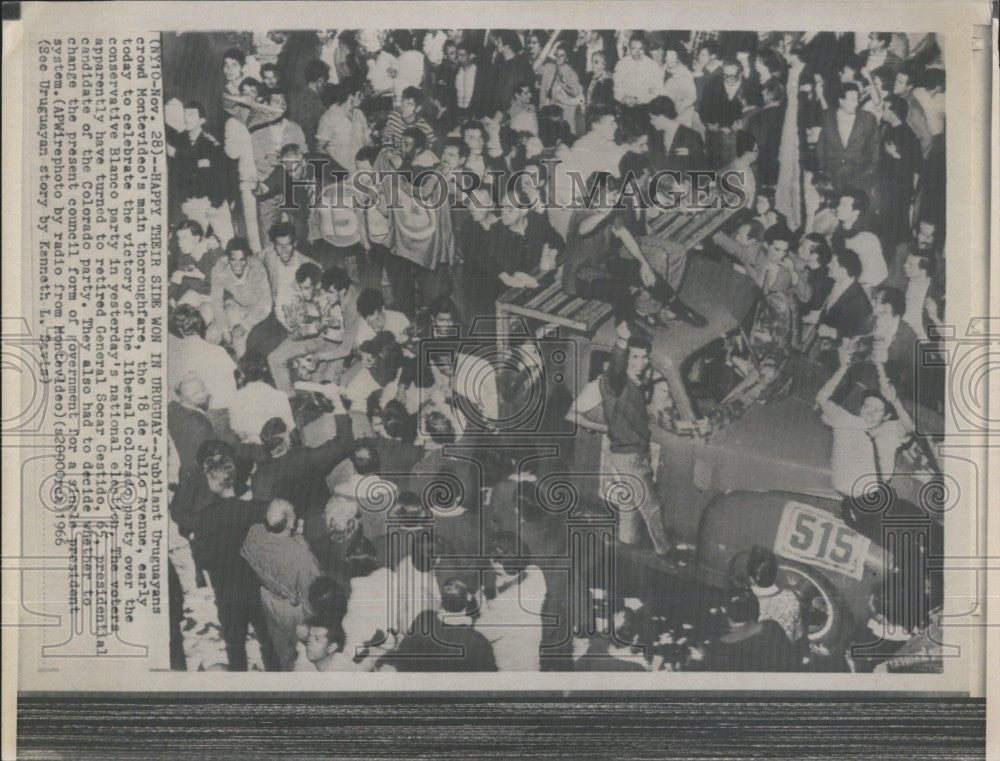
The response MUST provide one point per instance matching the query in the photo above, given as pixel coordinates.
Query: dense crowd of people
(307, 426)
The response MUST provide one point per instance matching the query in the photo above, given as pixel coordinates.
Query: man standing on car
(623, 401)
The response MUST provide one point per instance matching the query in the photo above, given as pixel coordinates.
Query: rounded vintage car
(735, 470)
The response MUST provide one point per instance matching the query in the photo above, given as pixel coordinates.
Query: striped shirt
(392, 134)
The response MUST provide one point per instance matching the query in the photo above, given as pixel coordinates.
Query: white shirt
(852, 460)
(642, 79)
(409, 72)
(361, 386)
(255, 404)
(208, 361)
(512, 622)
(845, 124)
(282, 277)
(916, 294)
(378, 71)
(367, 613)
(869, 250)
(680, 88)
(465, 80)
(395, 322)
(239, 146)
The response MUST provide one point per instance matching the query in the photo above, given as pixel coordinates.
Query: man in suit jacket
(678, 148)
(847, 309)
(849, 145)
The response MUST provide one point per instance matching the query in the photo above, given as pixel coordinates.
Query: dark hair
(289, 148)
(640, 37)
(191, 226)
(911, 72)
(632, 163)
(756, 231)
(934, 78)
(743, 607)
(398, 423)
(884, 75)
(598, 111)
(316, 69)
(439, 427)
(268, 67)
(272, 434)
(825, 188)
(412, 93)
(456, 142)
(851, 262)
(762, 566)
(456, 596)
(767, 192)
(773, 61)
(712, 46)
(778, 233)
(508, 38)
(253, 367)
(369, 153)
(898, 106)
(859, 200)
(475, 125)
(552, 127)
(237, 55)
(370, 300)
(847, 87)
(885, 37)
(327, 598)
(213, 448)
(819, 246)
(890, 410)
(255, 83)
(894, 297)
(926, 263)
(403, 39)
(773, 90)
(223, 465)
(418, 137)
(339, 93)
(195, 105)
(745, 142)
(639, 341)
(334, 628)
(662, 105)
(185, 320)
(441, 305)
(239, 244)
(335, 277)
(510, 552)
(281, 230)
(308, 271)
(360, 559)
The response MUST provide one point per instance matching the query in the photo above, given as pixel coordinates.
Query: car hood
(784, 444)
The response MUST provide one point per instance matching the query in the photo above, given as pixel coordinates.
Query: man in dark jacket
(847, 309)
(676, 147)
(849, 147)
(206, 178)
(220, 530)
(444, 640)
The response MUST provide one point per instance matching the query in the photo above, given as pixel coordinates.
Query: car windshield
(728, 375)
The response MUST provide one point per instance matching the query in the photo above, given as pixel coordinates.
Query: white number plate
(813, 536)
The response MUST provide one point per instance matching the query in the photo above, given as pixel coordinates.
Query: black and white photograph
(555, 350)
(456, 379)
